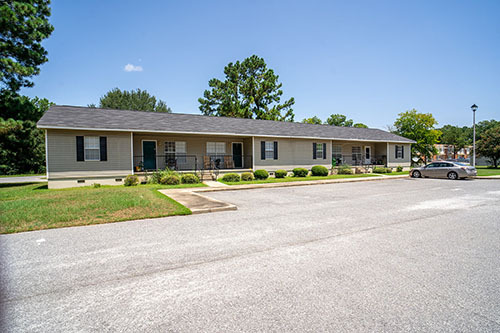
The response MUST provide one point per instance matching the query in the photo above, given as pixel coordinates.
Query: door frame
(242, 153)
(364, 154)
(156, 151)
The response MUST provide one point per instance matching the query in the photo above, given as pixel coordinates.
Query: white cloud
(132, 68)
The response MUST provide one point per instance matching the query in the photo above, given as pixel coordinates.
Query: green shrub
(231, 177)
(345, 169)
(261, 174)
(247, 176)
(156, 176)
(280, 173)
(388, 170)
(170, 180)
(399, 168)
(379, 170)
(300, 172)
(131, 180)
(319, 170)
(190, 178)
(96, 185)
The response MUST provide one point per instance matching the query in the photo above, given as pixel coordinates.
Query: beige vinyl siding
(61, 149)
(195, 145)
(292, 153)
(392, 161)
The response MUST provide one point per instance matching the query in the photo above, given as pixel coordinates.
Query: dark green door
(149, 154)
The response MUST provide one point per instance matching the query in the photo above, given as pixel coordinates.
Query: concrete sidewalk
(198, 203)
(26, 179)
(293, 183)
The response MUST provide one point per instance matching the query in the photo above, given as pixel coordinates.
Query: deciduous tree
(249, 90)
(455, 136)
(313, 120)
(419, 127)
(489, 144)
(138, 100)
(339, 120)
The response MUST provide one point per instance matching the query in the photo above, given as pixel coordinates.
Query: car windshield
(461, 164)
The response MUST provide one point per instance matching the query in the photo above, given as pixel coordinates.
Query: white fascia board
(214, 134)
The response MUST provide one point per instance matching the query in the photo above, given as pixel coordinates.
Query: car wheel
(452, 175)
(415, 174)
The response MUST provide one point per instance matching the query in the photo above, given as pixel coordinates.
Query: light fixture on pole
(474, 109)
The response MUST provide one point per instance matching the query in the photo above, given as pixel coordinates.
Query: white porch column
(132, 151)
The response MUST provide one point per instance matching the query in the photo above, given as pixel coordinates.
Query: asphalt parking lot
(392, 255)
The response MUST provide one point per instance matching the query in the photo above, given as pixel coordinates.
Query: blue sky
(369, 60)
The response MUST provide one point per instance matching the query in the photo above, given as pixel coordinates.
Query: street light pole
(474, 108)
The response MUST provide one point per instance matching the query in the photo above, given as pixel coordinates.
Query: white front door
(368, 155)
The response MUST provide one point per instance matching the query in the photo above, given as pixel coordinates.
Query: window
(216, 148)
(356, 154)
(175, 152)
(337, 153)
(319, 150)
(269, 150)
(92, 151)
(399, 151)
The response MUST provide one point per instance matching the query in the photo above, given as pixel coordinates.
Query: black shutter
(275, 150)
(396, 151)
(314, 150)
(402, 151)
(324, 151)
(80, 154)
(263, 150)
(103, 148)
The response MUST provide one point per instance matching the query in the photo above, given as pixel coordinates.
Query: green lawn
(24, 175)
(298, 179)
(394, 173)
(485, 171)
(27, 207)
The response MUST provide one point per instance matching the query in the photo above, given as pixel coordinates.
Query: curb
(295, 183)
(487, 177)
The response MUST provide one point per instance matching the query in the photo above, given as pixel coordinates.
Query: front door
(238, 154)
(368, 155)
(149, 154)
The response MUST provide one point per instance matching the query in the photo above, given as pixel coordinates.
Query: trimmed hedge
(319, 170)
(170, 180)
(190, 178)
(231, 177)
(345, 169)
(280, 173)
(247, 176)
(300, 172)
(131, 180)
(261, 174)
(399, 168)
(382, 170)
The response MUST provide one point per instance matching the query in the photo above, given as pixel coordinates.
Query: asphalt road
(394, 255)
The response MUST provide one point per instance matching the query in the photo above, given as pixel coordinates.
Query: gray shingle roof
(73, 117)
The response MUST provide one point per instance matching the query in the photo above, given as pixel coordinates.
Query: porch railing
(185, 162)
(179, 162)
(359, 159)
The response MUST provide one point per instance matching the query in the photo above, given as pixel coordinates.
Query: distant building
(446, 152)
